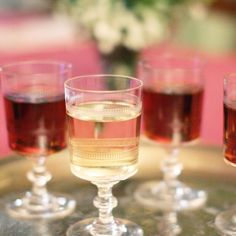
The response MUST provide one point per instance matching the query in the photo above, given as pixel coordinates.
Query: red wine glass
(172, 108)
(225, 221)
(35, 114)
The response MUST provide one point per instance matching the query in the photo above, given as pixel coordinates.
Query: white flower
(153, 26)
(108, 37)
(112, 24)
(134, 37)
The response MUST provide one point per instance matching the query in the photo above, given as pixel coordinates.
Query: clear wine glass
(226, 220)
(172, 108)
(35, 114)
(104, 127)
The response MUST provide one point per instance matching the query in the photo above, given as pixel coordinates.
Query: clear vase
(120, 61)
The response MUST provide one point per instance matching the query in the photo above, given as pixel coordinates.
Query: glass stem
(171, 167)
(39, 177)
(169, 225)
(105, 202)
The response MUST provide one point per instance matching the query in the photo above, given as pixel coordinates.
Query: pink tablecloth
(85, 59)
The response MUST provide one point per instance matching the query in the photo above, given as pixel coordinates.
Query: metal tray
(204, 168)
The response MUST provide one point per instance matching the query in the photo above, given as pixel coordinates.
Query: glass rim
(6, 69)
(229, 75)
(227, 80)
(197, 62)
(103, 91)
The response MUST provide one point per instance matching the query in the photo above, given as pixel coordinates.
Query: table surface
(203, 168)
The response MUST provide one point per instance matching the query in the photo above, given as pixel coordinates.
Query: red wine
(36, 125)
(172, 115)
(230, 133)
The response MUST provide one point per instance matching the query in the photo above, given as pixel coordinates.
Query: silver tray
(204, 168)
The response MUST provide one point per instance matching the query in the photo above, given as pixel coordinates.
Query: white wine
(103, 139)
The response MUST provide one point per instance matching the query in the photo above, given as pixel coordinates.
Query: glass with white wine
(104, 113)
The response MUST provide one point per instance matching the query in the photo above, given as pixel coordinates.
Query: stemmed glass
(226, 221)
(172, 103)
(104, 126)
(35, 113)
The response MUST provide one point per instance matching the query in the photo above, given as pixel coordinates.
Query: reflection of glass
(35, 114)
(104, 127)
(226, 221)
(173, 94)
(168, 224)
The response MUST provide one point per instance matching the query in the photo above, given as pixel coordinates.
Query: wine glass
(104, 126)
(35, 114)
(172, 108)
(225, 221)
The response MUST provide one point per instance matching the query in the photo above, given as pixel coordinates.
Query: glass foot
(53, 207)
(226, 222)
(175, 197)
(90, 227)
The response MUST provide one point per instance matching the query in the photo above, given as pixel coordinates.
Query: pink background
(85, 59)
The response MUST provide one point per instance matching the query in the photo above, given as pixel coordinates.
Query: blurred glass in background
(26, 5)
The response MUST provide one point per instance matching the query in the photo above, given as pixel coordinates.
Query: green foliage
(133, 3)
(72, 1)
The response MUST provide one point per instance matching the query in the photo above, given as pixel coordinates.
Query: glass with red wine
(34, 102)
(225, 221)
(172, 107)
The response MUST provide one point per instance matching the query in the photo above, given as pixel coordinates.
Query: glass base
(226, 222)
(176, 196)
(168, 224)
(54, 207)
(90, 227)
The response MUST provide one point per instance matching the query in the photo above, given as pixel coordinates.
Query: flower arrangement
(125, 25)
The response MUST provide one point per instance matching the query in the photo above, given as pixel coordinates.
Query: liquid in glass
(104, 139)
